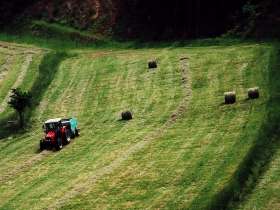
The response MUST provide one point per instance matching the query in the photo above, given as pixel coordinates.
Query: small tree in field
(20, 100)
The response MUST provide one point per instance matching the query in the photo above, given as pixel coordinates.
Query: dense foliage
(188, 19)
(155, 19)
(20, 100)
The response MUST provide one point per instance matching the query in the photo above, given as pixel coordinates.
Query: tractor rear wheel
(59, 145)
(73, 135)
(42, 145)
(67, 136)
(77, 132)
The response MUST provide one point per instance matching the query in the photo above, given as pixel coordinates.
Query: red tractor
(57, 133)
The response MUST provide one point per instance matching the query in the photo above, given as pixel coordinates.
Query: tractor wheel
(42, 145)
(68, 136)
(58, 145)
(77, 132)
(73, 135)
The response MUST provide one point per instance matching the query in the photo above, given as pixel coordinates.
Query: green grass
(57, 28)
(14, 61)
(183, 148)
(13, 68)
(17, 60)
(59, 37)
(265, 194)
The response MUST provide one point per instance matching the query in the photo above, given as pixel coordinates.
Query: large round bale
(152, 64)
(253, 93)
(127, 115)
(230, 97)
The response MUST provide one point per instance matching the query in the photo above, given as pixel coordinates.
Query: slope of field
(15, 61)
(266, 193)
(181, 150)
(19, 66)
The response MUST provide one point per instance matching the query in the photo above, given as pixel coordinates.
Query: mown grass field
(183, 149)
(265, 194)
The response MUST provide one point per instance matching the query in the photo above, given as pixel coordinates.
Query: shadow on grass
(257, 160)
(47, 70)
(8, 125)
(252, 167)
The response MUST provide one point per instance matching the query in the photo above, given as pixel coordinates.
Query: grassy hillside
(184, 149)
(19, 68)
(265, 195)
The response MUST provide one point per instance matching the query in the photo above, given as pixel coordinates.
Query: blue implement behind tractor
(72, 124)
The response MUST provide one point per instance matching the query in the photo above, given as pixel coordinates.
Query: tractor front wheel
(59, 144)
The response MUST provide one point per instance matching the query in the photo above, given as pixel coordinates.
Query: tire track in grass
(75, 92)
(187, 179)
(63, 108)
(24, 160)
(17, 144)
(18, 47)
(5, 67)
(84, 186)
(20, 168)
(19, 80)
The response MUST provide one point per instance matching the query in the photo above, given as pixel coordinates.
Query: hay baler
(72, 125)
(58, 132)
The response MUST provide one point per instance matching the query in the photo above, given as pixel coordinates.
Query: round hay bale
(152, 64)
(127, 115)
(253, 93)
(230, 97)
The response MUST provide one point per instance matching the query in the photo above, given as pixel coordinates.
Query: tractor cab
(55, 134)
(52, 125)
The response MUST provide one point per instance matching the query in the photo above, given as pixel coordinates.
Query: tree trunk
(21, 119)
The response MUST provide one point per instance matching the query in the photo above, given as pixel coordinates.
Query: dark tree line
(179, 18)
(9, 10)
(158, 19)
(201, 18)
